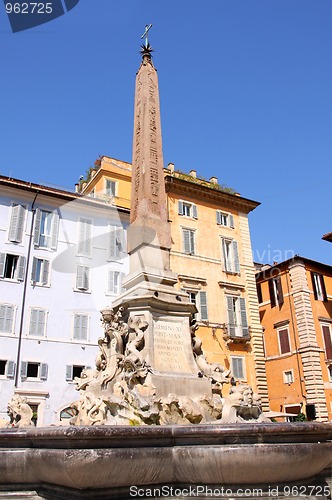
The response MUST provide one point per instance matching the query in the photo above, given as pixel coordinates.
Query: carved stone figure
(242, 405)
(20, 413)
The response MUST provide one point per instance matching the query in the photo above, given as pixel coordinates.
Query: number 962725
(29, 8)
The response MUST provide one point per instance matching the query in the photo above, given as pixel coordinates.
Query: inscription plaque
(169, 347)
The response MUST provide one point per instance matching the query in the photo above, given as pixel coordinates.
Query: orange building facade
(295, 299)
(211, 253)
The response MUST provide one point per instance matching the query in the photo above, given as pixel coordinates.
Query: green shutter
(203, 306)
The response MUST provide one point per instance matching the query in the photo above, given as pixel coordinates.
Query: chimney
(170, 167)
(76, 187)
(192, 173)
(214, 180)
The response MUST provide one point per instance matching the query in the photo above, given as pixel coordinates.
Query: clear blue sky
(245, 90)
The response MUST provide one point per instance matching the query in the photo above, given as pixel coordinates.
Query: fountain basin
(117, 457)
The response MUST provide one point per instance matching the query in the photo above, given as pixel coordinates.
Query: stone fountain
(152, 419)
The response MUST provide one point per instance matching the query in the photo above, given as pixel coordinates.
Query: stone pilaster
(308, 346)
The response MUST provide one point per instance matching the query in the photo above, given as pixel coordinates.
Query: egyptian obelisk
(150, 294)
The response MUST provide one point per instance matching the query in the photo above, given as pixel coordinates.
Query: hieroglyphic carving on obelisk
(148, 196)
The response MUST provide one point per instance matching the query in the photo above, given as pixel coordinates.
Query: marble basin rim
(83, 458)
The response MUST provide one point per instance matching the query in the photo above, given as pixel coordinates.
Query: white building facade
(62, 258)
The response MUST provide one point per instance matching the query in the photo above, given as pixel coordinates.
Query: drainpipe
(25, 284)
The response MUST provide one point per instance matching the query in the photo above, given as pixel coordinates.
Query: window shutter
(327, 341)
(36, 236)
(55, 230)
(227, 260)
(121, 276)
(80, 327)
(34, 269)
(237, 368)
(24, 369)
(11, 369)
(314, 288)
(218, 217)
(43, 371)
(244, 321)
(111, 281)
(46, 267)
(231, 221)
(84, 327)
(203, 306)
(186, 241)
(259, 293)
(41, 316)
(231, 318)
(321, 277)
(236, 257)
(16, 223)
(180, 207)
(272, 294)
(21, 268)
(112, 243)
(33, 322)
(84, 239)
(69, 373)
(192, 242)
(2, 264)
(194, 210)
(79, 277)
(6, 318)
(77, 327)
(280, 294)
(284, 341)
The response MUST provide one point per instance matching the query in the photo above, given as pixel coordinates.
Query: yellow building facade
(211, 253)
(296, 314)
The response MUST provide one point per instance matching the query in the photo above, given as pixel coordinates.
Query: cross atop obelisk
(148, 212)
(145, 34)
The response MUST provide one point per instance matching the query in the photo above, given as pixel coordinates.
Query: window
(114, 282)
(46, 229)
(237, 367)
(284, 344)
(73, 371)
(318, 286)
(32, 370)
(12, 266)
(295, 409)
(188, 237)
(80, 327)
(110, 187)
(237, 317)
(116, 243)
(6, 318)
(40, 271)
(259, 292)
(37, 322)
(224, 219)
(326, 330)
(85, 237)
(288, 377)
(82, 278)
(16, 226)
(231, 256)
(187, 209)
(329, 369)
(200, 301)
(275, 289)
(7, 368)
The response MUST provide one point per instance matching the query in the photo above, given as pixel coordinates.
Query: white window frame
(42, 371)
(17, 269)
(16, 225)
(114, 278)
(80, 339)
(107, 190)
(70, 369)
(192, 240)
(13, 314)
(85, 235)
(230, 254)
(46, 239)
(288, 376)
(116, 243)
(82, 278)
(41, 327)
(40, 274)
(237, 317)
(187, 209)
(317, 279)
(198, 297)
(225, 219)
(243, 365)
